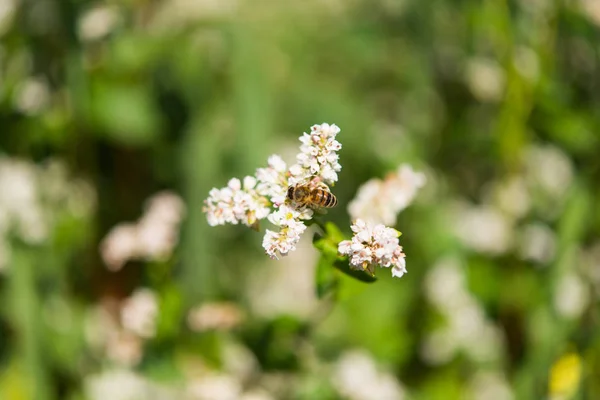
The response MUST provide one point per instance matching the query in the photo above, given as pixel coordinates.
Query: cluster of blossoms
(117, 330)
(263, 195)
(467, 329)
(152, 237)
(35, 199)
(379, 201)
(373, 245)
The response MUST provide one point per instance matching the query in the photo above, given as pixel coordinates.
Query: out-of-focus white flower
(538, 243)
(214, 387)
(124, 384)
(257, 394)
(571, 297)
(239, 361)
(236, 204)
(33, 96)
(318, 155)
(438, 348)
(119, 246)
(177, 13)
(139, 313)
(549, 169)
(467, 328)
(373, 245)
(153, 237)
(511, 196)
(486, 79)
(274, 291)
(124, 348)
(220, 316)
(97, 22)
(291, 227)
(20, 200)
(591, 8)
(8, 10)
(158, 231)
(356, 378)
(489, 386)
(33, 198)
(483, 229)
(444, 284)
(117, 385)
(527, 62)
(379, 202)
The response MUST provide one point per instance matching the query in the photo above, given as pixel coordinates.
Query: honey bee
(313, 196)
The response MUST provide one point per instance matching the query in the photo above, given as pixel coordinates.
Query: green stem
(26, 307)
(320, 224)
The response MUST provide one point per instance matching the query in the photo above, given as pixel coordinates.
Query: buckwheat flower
(489, 385)
(357, 377)
(373, 245)
(140, 312)
(318, 155)
(153, 237)
(379, 201)
(289, 220)
(214, 316)
(237, 203)
(273, 180)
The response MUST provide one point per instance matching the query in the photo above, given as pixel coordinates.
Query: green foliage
(151, 95)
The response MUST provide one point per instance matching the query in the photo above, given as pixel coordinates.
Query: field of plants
(167, 169)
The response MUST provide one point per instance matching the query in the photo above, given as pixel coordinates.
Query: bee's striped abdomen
(330, 200)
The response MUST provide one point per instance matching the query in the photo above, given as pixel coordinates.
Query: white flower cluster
(373, 245)
(236, 203)
(214, 316)
(153, 237)
(140, 312)
(117, 330)
(467, 328)
(34, 199)
(263, 195)
(291, 227)
(318, 155)
(356, 376)
(379, 201)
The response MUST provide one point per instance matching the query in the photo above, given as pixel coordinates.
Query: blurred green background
(105, 103)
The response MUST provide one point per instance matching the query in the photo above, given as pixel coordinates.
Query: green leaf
(126, 113)
(327, 280)
(325, 245)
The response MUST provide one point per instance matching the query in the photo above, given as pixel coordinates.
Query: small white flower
(571, 296)
(374, 245)
(264, 195)
(379, 201)
(218, 316)
(482, 228)
(357, 377)
(140, 312)
(153, 237)
(97, 23)
(317, 155)
(291, 227)
(272, 181)
(236, 203)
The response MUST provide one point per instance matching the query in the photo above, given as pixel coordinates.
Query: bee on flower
(285, 196)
